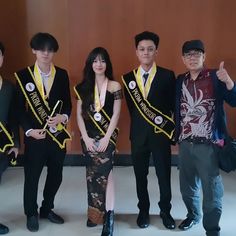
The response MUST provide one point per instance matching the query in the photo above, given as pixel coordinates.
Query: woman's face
(99, 65)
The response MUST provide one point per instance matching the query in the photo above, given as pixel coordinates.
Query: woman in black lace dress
(98, 110)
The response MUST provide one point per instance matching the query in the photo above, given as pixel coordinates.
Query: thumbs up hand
(222, 73)
(221, 67)
(223, 76)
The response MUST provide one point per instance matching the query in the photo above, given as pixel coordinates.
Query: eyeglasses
(194, 54)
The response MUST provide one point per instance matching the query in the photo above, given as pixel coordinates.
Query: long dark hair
(2, 48)
(88, 82)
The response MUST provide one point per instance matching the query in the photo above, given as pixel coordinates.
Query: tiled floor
(71, 204)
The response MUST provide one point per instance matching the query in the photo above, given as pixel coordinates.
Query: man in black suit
(150, 94)
(9, 132)
(40, 88)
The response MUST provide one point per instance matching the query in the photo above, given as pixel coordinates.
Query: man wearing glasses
(200, 124)
(149, 92)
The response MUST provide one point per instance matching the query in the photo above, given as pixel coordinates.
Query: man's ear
(156, 52)
(204, 57)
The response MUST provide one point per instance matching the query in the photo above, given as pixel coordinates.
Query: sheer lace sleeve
(118, 94)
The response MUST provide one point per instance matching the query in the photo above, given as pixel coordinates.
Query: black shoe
(3, 229)
(90, 223)
(108, 224)
(32, 223)
(53, 217)
(187, 224)
(167, 220)
(143, 220)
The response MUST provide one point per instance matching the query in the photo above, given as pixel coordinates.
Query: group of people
(187, 110)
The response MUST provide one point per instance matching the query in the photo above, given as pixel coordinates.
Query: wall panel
(81, 25)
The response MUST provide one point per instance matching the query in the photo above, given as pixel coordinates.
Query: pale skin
(44, 60)
(15, 150)
(196, 63)
(146, 53)
(99, 68)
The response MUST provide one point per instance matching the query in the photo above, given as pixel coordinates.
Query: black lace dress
(99, 164)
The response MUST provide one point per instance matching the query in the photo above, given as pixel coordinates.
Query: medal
(30, 87)
(158, 120)
(53, 130)
(132, 84)
(97, 116)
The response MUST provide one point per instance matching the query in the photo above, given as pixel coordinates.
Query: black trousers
(161, 153)
(37, 154)
(4, 162)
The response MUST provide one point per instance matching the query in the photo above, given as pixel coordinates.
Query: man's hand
(14, 150)
(223, 76)
(37, 133)
(54, 121)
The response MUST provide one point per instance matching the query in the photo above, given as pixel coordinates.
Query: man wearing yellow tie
(150, 96)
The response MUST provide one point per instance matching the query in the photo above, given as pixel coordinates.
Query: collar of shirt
(144, 72)
(203, 73)
(43, 74)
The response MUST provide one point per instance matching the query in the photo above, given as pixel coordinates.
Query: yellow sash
(99, 101)
(39, 80)
(5, 138)
(161, 122)
(40, 108)
(101, 120)
(145, 89)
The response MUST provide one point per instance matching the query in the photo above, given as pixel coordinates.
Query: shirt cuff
(67, 118)
(27, 132)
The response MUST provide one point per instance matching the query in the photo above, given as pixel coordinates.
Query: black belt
(198, 140)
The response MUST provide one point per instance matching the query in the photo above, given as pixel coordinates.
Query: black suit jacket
(8, 110)
(161, 96)
(60, 91)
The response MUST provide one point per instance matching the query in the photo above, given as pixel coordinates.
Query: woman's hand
(103, 143)
(89, 143)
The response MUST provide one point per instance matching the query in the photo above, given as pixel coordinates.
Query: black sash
(160, 122)
(101, 121)
(5, 138)
(40, 108)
